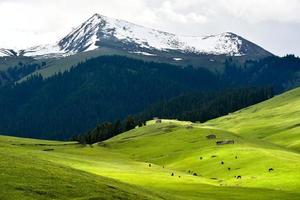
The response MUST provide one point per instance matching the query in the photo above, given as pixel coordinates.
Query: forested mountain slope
(109, 88)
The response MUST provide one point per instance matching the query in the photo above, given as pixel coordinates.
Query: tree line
(198, 107)
(106, 130)
(204, 106)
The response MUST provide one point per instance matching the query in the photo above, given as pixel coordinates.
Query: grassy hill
(139, 165)
(275, 121)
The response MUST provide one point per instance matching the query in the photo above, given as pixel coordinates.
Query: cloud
(29, 22)
(249, 10)
(169, 10)
(262, 10)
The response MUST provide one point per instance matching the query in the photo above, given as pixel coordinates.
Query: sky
(272, 24)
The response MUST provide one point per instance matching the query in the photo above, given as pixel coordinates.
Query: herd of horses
(222, 163)
(213, 137)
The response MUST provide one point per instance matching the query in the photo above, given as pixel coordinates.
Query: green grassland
(276, 120)
(120, 167)
(26, 172)
(168, 160)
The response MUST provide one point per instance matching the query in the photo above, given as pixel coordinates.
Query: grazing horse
(222, 163)
(149, 165)
(172, 174)
(271, 169)
(238, 177)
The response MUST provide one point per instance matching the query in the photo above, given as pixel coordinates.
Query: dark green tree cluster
(279, 73)
(207, 105)
(108, 130)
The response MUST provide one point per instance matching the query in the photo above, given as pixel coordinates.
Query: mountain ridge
(101, 31)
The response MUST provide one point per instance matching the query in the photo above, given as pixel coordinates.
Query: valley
(162, 160)
(118, 110)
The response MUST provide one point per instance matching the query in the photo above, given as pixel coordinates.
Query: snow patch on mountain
(93, 43)
(2, 54)
(46, 51)
(7, 52)
(143, 53)
(177, 59)
(225, 43)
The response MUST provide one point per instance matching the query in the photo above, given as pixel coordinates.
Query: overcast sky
(273, 24)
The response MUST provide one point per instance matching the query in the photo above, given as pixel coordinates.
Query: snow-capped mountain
(101, 31)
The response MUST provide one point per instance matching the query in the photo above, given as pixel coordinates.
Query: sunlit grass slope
(177, 146)
(276, 120)
(27, 173)
(139, 165)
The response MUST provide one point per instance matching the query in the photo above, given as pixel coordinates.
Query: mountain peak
(96, 15)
